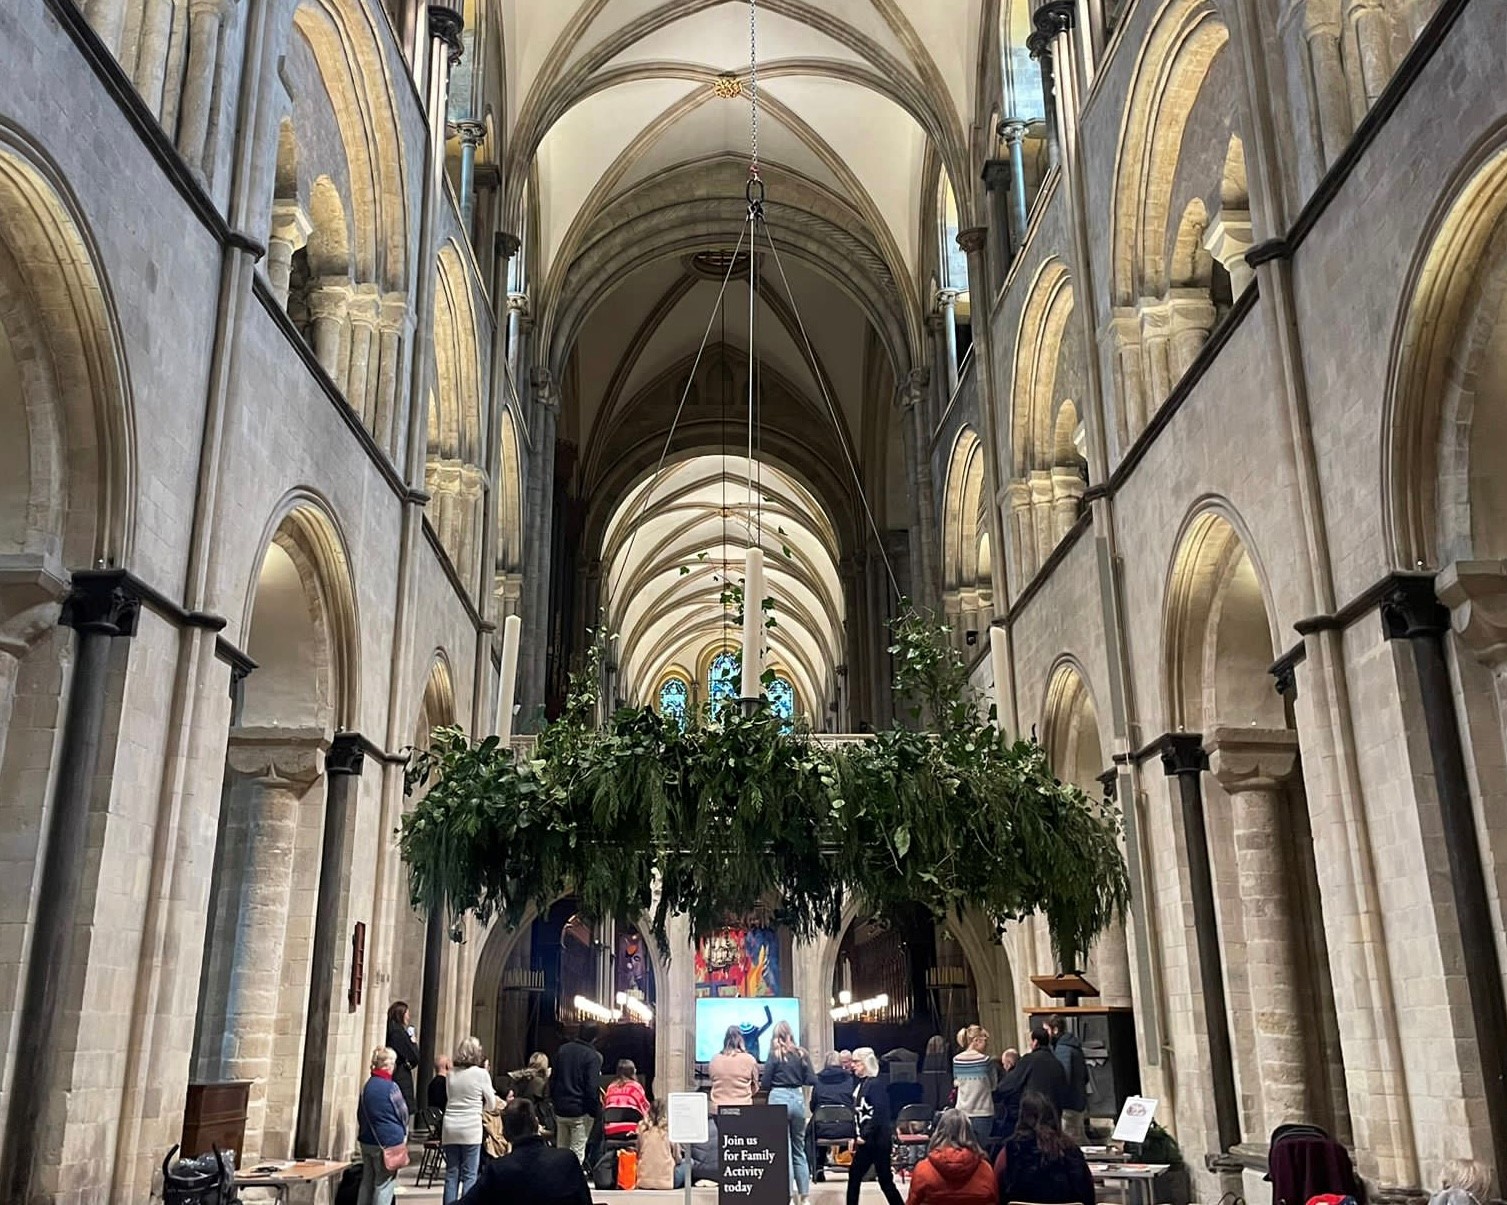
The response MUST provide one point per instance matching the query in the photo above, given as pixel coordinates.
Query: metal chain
(753, 86)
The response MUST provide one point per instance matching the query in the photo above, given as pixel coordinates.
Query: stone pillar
(1013, 131)
(947, 303)
(270, 771)
(472, 134)
(517, 308)
(1052, 46)
(468, 518)
(389, 372)
(1228, 237)
(1067, 498)
(329, 303)
(365, 311)
(1190, 318)
(343, 765)
(200, 82)
(546, 416)
(1184, 759)
(102, 605)
(1476, 594)
(1040, 485)
(1326, 70)
(910, 399)
(939, 398)
(1022, 549)
(998, 174)
(1252, 764)
(289, 232)
(1124, 333)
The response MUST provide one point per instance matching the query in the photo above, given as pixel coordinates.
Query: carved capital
(290, 758)
(947, 299)
(1410, 609)
(1252, 759)
(545, 393)
(974, 239)
(518, 303)
(365, 305)
(913, 389)
(329, 299)
(471, 133)
(996, 172)
(446, 23)
(1476, 594)
(394, 311)
(1183, 753)
(347, 754)
(105, 602)
(507, 245)
(1013, 130)
(31, 598)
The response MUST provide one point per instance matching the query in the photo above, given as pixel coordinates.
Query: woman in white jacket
(469, 1094)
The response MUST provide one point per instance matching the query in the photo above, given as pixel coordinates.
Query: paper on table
(1135, 1119)
(688, 1117)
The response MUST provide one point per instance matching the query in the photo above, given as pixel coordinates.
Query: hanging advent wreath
(734, 815)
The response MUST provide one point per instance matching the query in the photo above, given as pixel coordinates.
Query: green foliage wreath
(734, 816)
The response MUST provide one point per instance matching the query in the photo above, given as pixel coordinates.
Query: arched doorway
(254, 987)
(1280, 1017)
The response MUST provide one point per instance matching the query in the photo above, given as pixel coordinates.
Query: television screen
(756, 1016)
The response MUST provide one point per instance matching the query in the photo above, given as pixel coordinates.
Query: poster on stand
(755, 1142)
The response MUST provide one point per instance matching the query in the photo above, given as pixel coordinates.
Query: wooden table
(1136, 1177)
(290, 1176)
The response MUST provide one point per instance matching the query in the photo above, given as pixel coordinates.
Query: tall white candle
(1000, 663)
(507, 680)
(753, 622)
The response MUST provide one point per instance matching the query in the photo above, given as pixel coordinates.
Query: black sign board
(755, 1155)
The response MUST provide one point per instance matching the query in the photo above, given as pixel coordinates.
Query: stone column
(1190, 318)
(1013, 131)
(365, 311)
(472, 134)
(947, 303)
(1124, 334)
(389, 371)
(1228, 237)
(270, 771)
(329, 303)
(1252, 764)
(1052, 46)
(1042, 535)
(998, 174)
(343, 765)
(910, 399)
(200, 82)
(1067, 497)
(102, 605)
(1184, 759)
(517, 308)
(1021, 553)
(289, 232)
(939, 398)
(1326, 70)
(468, 517)
(546, 416)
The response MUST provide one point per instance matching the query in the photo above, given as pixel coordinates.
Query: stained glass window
(781, 698)
(674, 696)
(724, 681)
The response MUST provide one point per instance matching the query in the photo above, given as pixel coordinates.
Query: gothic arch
(967, 569)
(69, 493)
(454, 473)
(1443, 405)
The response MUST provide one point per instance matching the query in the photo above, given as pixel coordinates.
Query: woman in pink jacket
(734, 1072)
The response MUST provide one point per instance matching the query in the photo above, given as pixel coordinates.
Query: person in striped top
(973, 1077)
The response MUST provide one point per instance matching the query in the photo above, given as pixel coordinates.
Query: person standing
(973, 1076)
(1069, 1051)
(1038, 1071)
(954, 1171)
(876, 1130)
(468, 1093)
(532, 1171)
(786, 1077)
(734, 1073)
(575, 1090)
(400, 1040)
(381, 1122)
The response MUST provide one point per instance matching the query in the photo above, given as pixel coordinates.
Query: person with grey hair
(381, 1124)
(1462, 1182)
(876, 1130)
(469, 1093)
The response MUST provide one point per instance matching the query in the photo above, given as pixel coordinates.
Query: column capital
(1182, 753)
(1476, 594)
(329, 298)
(471, 133)
(1252, 759)
(1012, 130)
(365, 305)
(107, 602)
(948, 298)
(1051, 19)
(346, 754)
(518, 303)
(545, 393)
(32, 590)
(446, 23)
(974, 239)
(1110, 781)
(508, 245)
(1411, 609)
(996, 173)
(286, 757)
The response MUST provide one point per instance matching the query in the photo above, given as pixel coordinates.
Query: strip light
(597, 1012)
(635, 1008)
(858, 1008)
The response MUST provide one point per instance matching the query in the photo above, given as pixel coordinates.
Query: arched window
(954, 260)
(781, 697)
(1024, 99)
(674, 699)
(724, 679)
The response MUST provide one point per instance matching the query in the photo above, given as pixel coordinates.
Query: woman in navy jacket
(382, 1121)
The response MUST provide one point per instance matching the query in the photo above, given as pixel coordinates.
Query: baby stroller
(205, 1180)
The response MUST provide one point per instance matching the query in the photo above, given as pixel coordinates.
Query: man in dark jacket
(533, 1173)
(575, 1090)
(1069, 1052)
(834, 1086)
(1037, 1071)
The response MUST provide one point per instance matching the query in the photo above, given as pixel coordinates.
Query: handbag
(395, 1158)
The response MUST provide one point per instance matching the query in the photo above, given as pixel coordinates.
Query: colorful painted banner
(738, 962)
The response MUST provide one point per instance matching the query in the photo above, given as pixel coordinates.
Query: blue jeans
(378, 1185)
(794, 1101)
(461, 1163)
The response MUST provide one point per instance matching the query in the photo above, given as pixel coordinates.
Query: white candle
(1000, 663)
(507, 680)
(753, 622)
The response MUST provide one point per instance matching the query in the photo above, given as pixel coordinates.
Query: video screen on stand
(755, 1017)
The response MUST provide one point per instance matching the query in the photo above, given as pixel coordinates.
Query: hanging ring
(755, 193)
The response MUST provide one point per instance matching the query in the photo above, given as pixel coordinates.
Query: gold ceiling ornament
(728, 87)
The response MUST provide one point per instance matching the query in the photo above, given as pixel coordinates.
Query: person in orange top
(625, 1092)
(954, 1171)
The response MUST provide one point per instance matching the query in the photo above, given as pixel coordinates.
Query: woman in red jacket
(954, 1171)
